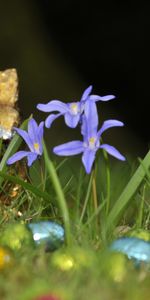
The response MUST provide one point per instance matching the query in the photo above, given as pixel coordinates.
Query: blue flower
(71, 111)
(91, 139)
(33, 139)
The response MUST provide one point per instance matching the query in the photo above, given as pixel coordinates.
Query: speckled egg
(47, 233)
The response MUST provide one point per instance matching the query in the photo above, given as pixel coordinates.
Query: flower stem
(107, 182)
(94, 197)
(60, 195)
(86, 199)
(43, 174)
(94, 191)
(78, 196)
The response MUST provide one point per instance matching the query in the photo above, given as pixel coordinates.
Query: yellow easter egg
(6, 258)
(140, 233)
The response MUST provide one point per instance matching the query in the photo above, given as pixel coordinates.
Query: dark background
(61, 47)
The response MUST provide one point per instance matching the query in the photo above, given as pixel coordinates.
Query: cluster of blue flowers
(84, 113)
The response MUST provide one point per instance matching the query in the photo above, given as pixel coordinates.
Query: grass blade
(59, 192)
(12, 148)
(128, 192)
(25, 185)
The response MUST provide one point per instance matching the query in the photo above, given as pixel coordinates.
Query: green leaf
(128, 193)
(11, 149)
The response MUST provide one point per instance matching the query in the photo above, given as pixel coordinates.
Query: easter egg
(139, 233)
(74, 258)
(63, 261)
(6, 258)
(16, 236)
(49, 234)
(133, 247)
(46, 297)
(116, 266)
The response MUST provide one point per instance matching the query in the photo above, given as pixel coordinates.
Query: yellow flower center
(36, 146)
(92, 141)
(74, 108)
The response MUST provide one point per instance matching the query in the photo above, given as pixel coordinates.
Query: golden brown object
(10, 190)
(9, 116)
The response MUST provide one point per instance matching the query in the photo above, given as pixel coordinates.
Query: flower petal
(33, 130)
(31, 157)
(49, 120)
(84, 130)
(113, 151)
(25, 136)
(54, 105)
(41, 131)
(72, 120)
(86, 93)
(17, 156)
(101, 98)
(88, 158)
(36, 134)
(108, 124)
(91, 115)
(70, 148)
(40, 137)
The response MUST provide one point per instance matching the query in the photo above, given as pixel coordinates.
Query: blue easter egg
(47, 233)
(133, 247)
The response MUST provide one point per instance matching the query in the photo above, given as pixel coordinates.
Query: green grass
(92, 208)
